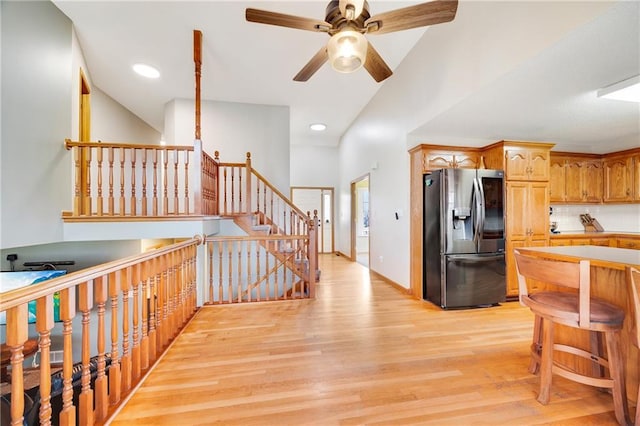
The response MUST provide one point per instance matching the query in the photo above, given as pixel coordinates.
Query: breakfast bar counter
(608, 282)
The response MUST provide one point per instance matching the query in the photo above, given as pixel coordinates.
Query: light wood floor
(361, 353)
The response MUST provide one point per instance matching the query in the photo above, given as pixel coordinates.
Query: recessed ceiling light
(626, 90)
(318, 127)
(146, 70)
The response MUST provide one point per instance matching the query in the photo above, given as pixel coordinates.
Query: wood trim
(68, 143)
(402, 289)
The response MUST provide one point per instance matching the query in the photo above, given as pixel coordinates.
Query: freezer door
(473, 280)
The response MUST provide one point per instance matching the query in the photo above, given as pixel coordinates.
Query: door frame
(354, 215)
(320, 236)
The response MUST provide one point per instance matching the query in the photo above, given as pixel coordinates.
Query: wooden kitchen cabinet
(450, 160)
(528, 164)
(557, 179)
(575, 179)
(618, 179)
(636, 177)
(630, 243)
(527, 222)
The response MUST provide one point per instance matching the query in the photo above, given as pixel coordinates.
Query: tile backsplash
(612, 217)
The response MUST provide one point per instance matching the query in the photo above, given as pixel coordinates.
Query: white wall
(314, 166)
(234, 129)
(111, 122)
(36, 118)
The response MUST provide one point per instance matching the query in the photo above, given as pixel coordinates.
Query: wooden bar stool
(633, 277)
(574, 308)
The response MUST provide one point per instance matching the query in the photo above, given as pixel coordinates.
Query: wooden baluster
(87, 187)
(111, 199)
(101, 383)
(85, 402)
(67, 312)
(144, 343)
(152, 308)
(239, 284)
(249, 252)
(247, 208)
(264, 198)
(174, 294)
(271, 216)
(44, 324)
(134, 201)
(100, 201)
(229, 245)
(276, 289)
(176, 200)
(258, 265)
(165, 182)
(161, 302)
(186, 183)
(224, 186)
(144, 181)
(220, 280)
(154, 157)
(210, 270)
(115, 383)
(125, 281)
(257, 201)
(17, 334)
(121, 203)
(233, 191)
(77, 199)
(135, 350)
(266, 268)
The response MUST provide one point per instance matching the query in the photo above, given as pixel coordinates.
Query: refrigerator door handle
(474, 258)
(479, 213)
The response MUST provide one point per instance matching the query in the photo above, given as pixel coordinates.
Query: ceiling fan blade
(313, 65)
(376, 66)
(420, 15)
(282, 20)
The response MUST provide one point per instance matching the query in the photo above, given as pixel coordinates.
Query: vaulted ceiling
(549, 95)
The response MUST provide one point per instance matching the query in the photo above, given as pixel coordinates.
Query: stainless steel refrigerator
(464, 263)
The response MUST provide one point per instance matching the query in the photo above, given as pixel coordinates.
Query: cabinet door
(537, 210)
(538, 165)
(557, 180)
(466, 161)
(516, 165)
(592, 182)
(618, 179)
(512, 274)
(636, 177)
(604, 242)
(437, 161)
(573, 175)
(556, 242)
(629, 243)
(517, 219)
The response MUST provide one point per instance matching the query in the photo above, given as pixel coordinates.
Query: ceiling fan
(347, 21)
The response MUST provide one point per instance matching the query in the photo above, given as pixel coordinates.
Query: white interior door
(320, 200)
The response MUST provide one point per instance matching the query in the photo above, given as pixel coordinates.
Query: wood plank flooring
(361, 353)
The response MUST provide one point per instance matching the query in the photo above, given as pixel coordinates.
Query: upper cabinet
(575, 179)
(619, 176)
(527, 164)
(436, 159)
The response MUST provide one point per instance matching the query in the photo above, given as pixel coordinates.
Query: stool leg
(597, 348)
(638, 408)
(546, 362)
(616, 369)
(536, 345)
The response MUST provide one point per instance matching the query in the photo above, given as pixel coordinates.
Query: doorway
(309, 199)
(360, 215)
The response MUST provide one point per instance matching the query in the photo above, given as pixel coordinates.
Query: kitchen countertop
(607, 257)
(604, 234)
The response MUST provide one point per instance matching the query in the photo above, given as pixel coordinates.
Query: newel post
(313, 253)
(247, 196)
(197, 180)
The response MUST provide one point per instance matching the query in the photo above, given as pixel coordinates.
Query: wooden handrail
(23, 295)
(162, 282)
(279, 194)
(68, 143)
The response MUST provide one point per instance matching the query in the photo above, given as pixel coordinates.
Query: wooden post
(248, 183)
(101, 383)
(197, 58)
(313, 254)
(67, 312)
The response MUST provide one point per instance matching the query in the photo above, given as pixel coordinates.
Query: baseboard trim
(399, 287)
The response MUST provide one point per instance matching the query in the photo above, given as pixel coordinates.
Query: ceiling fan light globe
(347, 51)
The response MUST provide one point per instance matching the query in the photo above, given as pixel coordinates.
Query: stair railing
(141, 302)
(136, 180)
